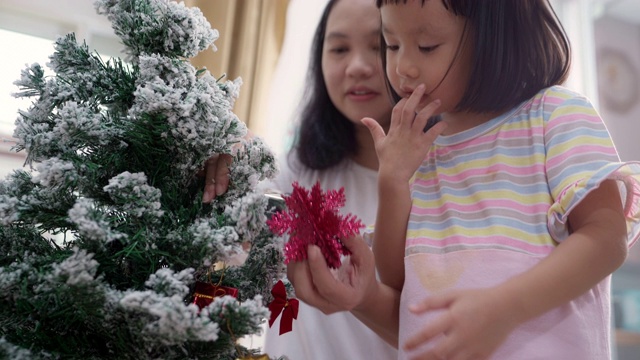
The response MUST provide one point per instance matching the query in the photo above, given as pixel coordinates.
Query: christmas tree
(104, 237)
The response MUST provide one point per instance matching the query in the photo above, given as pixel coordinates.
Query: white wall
(620, 37)
(9, 161)
(27, 32)
(288, 84)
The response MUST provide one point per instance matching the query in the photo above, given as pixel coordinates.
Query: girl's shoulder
(560, 95)
(554, 99)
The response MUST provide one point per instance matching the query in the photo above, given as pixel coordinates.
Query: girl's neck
(461, 121)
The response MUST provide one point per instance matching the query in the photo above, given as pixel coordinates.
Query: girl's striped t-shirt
(492, 201)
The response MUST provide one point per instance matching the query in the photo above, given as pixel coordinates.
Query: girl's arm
(400, 153)
(596, 247)
(394, 205)
(478, 321)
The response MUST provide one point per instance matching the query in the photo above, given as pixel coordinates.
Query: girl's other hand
(216, 172)
(402, 150)
(473, 324)
(331, 292)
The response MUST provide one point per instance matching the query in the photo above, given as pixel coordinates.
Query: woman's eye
(339, 50)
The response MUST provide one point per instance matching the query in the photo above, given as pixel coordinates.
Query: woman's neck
(366, 154)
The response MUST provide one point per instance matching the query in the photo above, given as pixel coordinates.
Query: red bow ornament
(280, 304)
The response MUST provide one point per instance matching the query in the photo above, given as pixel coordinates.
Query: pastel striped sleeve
(580, 156)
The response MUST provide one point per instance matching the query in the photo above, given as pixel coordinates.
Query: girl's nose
(405, 68)
(361, 66)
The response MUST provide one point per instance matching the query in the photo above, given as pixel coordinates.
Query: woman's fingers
(210, 167)
(222, 173)
(302, 277)
(216, 176)
(361, 254)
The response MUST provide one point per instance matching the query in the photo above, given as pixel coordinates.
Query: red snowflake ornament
(312, 217)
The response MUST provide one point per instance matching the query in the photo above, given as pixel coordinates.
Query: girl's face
(351, 63)
(422, 41)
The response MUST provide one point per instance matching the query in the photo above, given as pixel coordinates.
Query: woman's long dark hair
(324, 136)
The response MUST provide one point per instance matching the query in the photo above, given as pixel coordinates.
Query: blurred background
(266, 43)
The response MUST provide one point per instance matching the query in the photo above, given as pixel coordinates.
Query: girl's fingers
(433, 302)
(423, 116)
(435, 131)
(442, 350)
(377, 133)
(437, 327)
(396, 114)
(409, 108)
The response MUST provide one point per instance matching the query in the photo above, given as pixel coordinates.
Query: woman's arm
(355, 289)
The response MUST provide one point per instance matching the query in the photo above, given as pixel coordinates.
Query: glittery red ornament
(312, 217)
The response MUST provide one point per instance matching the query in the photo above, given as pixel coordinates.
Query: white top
(336, 336)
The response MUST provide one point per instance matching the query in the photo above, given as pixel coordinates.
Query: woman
(345, 84)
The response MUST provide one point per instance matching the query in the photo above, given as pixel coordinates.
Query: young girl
(498, 229)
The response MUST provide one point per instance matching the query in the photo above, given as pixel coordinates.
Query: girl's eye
(392, 47)
(427, 49)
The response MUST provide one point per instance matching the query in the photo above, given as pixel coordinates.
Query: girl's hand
(402, 150)
(473, 324)
(331, 292)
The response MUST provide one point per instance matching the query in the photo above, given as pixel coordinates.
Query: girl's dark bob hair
(325, 136)
(520, 48)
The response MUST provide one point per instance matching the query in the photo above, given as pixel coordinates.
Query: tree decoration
(282, 305)
(205, 292)
(105, 241)
(312, 217)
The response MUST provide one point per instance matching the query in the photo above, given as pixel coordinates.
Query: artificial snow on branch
(104, 235)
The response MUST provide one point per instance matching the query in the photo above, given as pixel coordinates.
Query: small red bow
(280, 304)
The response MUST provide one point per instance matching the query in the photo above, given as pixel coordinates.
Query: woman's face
(351, 63)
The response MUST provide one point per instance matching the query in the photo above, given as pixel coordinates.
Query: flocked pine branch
(103, 235)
